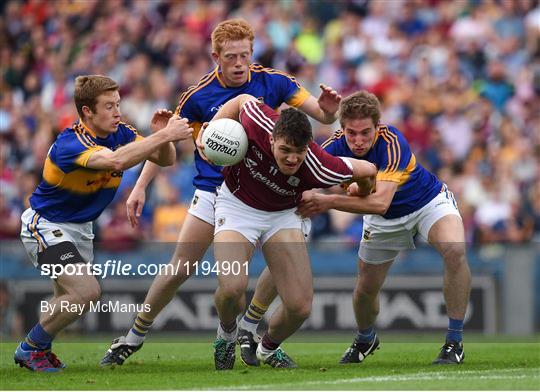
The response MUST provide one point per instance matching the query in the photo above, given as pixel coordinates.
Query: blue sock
(455, 330)
(37, 339)
(365, 335)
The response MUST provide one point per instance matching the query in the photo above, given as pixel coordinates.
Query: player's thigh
(231, 247)
(82, 284)
(441, 224)
(288, 261)
(447, 235)
(194, 238)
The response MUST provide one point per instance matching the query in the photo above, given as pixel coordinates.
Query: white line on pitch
(421, 376)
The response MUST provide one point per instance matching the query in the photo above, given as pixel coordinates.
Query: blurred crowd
(461, 80)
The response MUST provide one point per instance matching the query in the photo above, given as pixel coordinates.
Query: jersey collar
(377, 133)
(86, 129)
(217, 72)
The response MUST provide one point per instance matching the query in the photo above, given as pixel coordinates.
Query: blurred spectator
(116, 233)
(496, 88)
(11, 320)
(10, 218)
(169, 213)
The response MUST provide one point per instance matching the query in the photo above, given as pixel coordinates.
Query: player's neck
(89, 127)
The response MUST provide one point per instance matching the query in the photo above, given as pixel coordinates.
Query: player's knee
(299, 309)
(87, 291)
(365, 289)
(94, 292)
(454, 256)
(232, 292)
(174, 277)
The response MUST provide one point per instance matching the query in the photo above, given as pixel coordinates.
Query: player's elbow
(168, 161)
(118, 163)
(164, 160)
(382, 207)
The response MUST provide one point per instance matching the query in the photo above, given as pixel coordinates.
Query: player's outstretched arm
(232, 108)
(166, 154)
(133, 153)
(376, 203)
(324, 108)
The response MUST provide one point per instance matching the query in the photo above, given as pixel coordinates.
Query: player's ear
(271, 140)
(86, 111)
(215, 56)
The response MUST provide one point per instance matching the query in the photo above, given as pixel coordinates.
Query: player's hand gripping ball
(225, 142)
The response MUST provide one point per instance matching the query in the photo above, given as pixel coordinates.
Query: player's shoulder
(127, 127)
(337, 138)
(388, 129)
(256, 114)
(74, 137)
(389, 134)
(260, 71)
(126, 133)
(204, 86)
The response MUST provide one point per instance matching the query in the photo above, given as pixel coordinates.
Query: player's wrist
(329, 117)
(331, 201)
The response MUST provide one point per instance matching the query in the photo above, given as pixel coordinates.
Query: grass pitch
(397, 365)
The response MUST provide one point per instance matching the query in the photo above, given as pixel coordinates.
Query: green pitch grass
(488, 366)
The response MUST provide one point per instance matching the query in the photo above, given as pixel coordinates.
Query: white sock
(134, 339)
(248, 326)
(228, 336)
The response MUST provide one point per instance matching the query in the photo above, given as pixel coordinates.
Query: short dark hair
(88, 88)
(293, 126)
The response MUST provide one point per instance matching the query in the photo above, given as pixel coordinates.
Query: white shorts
(256, 225)
(202, 206)
(37, 234)
(382, 239)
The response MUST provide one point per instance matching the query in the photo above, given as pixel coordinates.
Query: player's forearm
(326, 118)
(164, 156)
(134, 153)
(149, 171)
(358, 205)
(231, 109)
(312, 108)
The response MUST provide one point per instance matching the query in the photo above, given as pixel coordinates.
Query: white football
(225, 142)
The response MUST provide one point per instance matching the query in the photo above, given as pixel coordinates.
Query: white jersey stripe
(312, 168)
(331, 175)
(261, 122)
(257, 110)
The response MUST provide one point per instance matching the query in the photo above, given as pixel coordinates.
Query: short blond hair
(361, 104)
(231, 30)
(88, 88)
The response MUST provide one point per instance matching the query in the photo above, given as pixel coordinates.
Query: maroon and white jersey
(257, 181)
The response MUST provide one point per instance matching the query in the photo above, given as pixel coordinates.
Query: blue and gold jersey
(69, 191)
(201, 102)
(395, 162)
